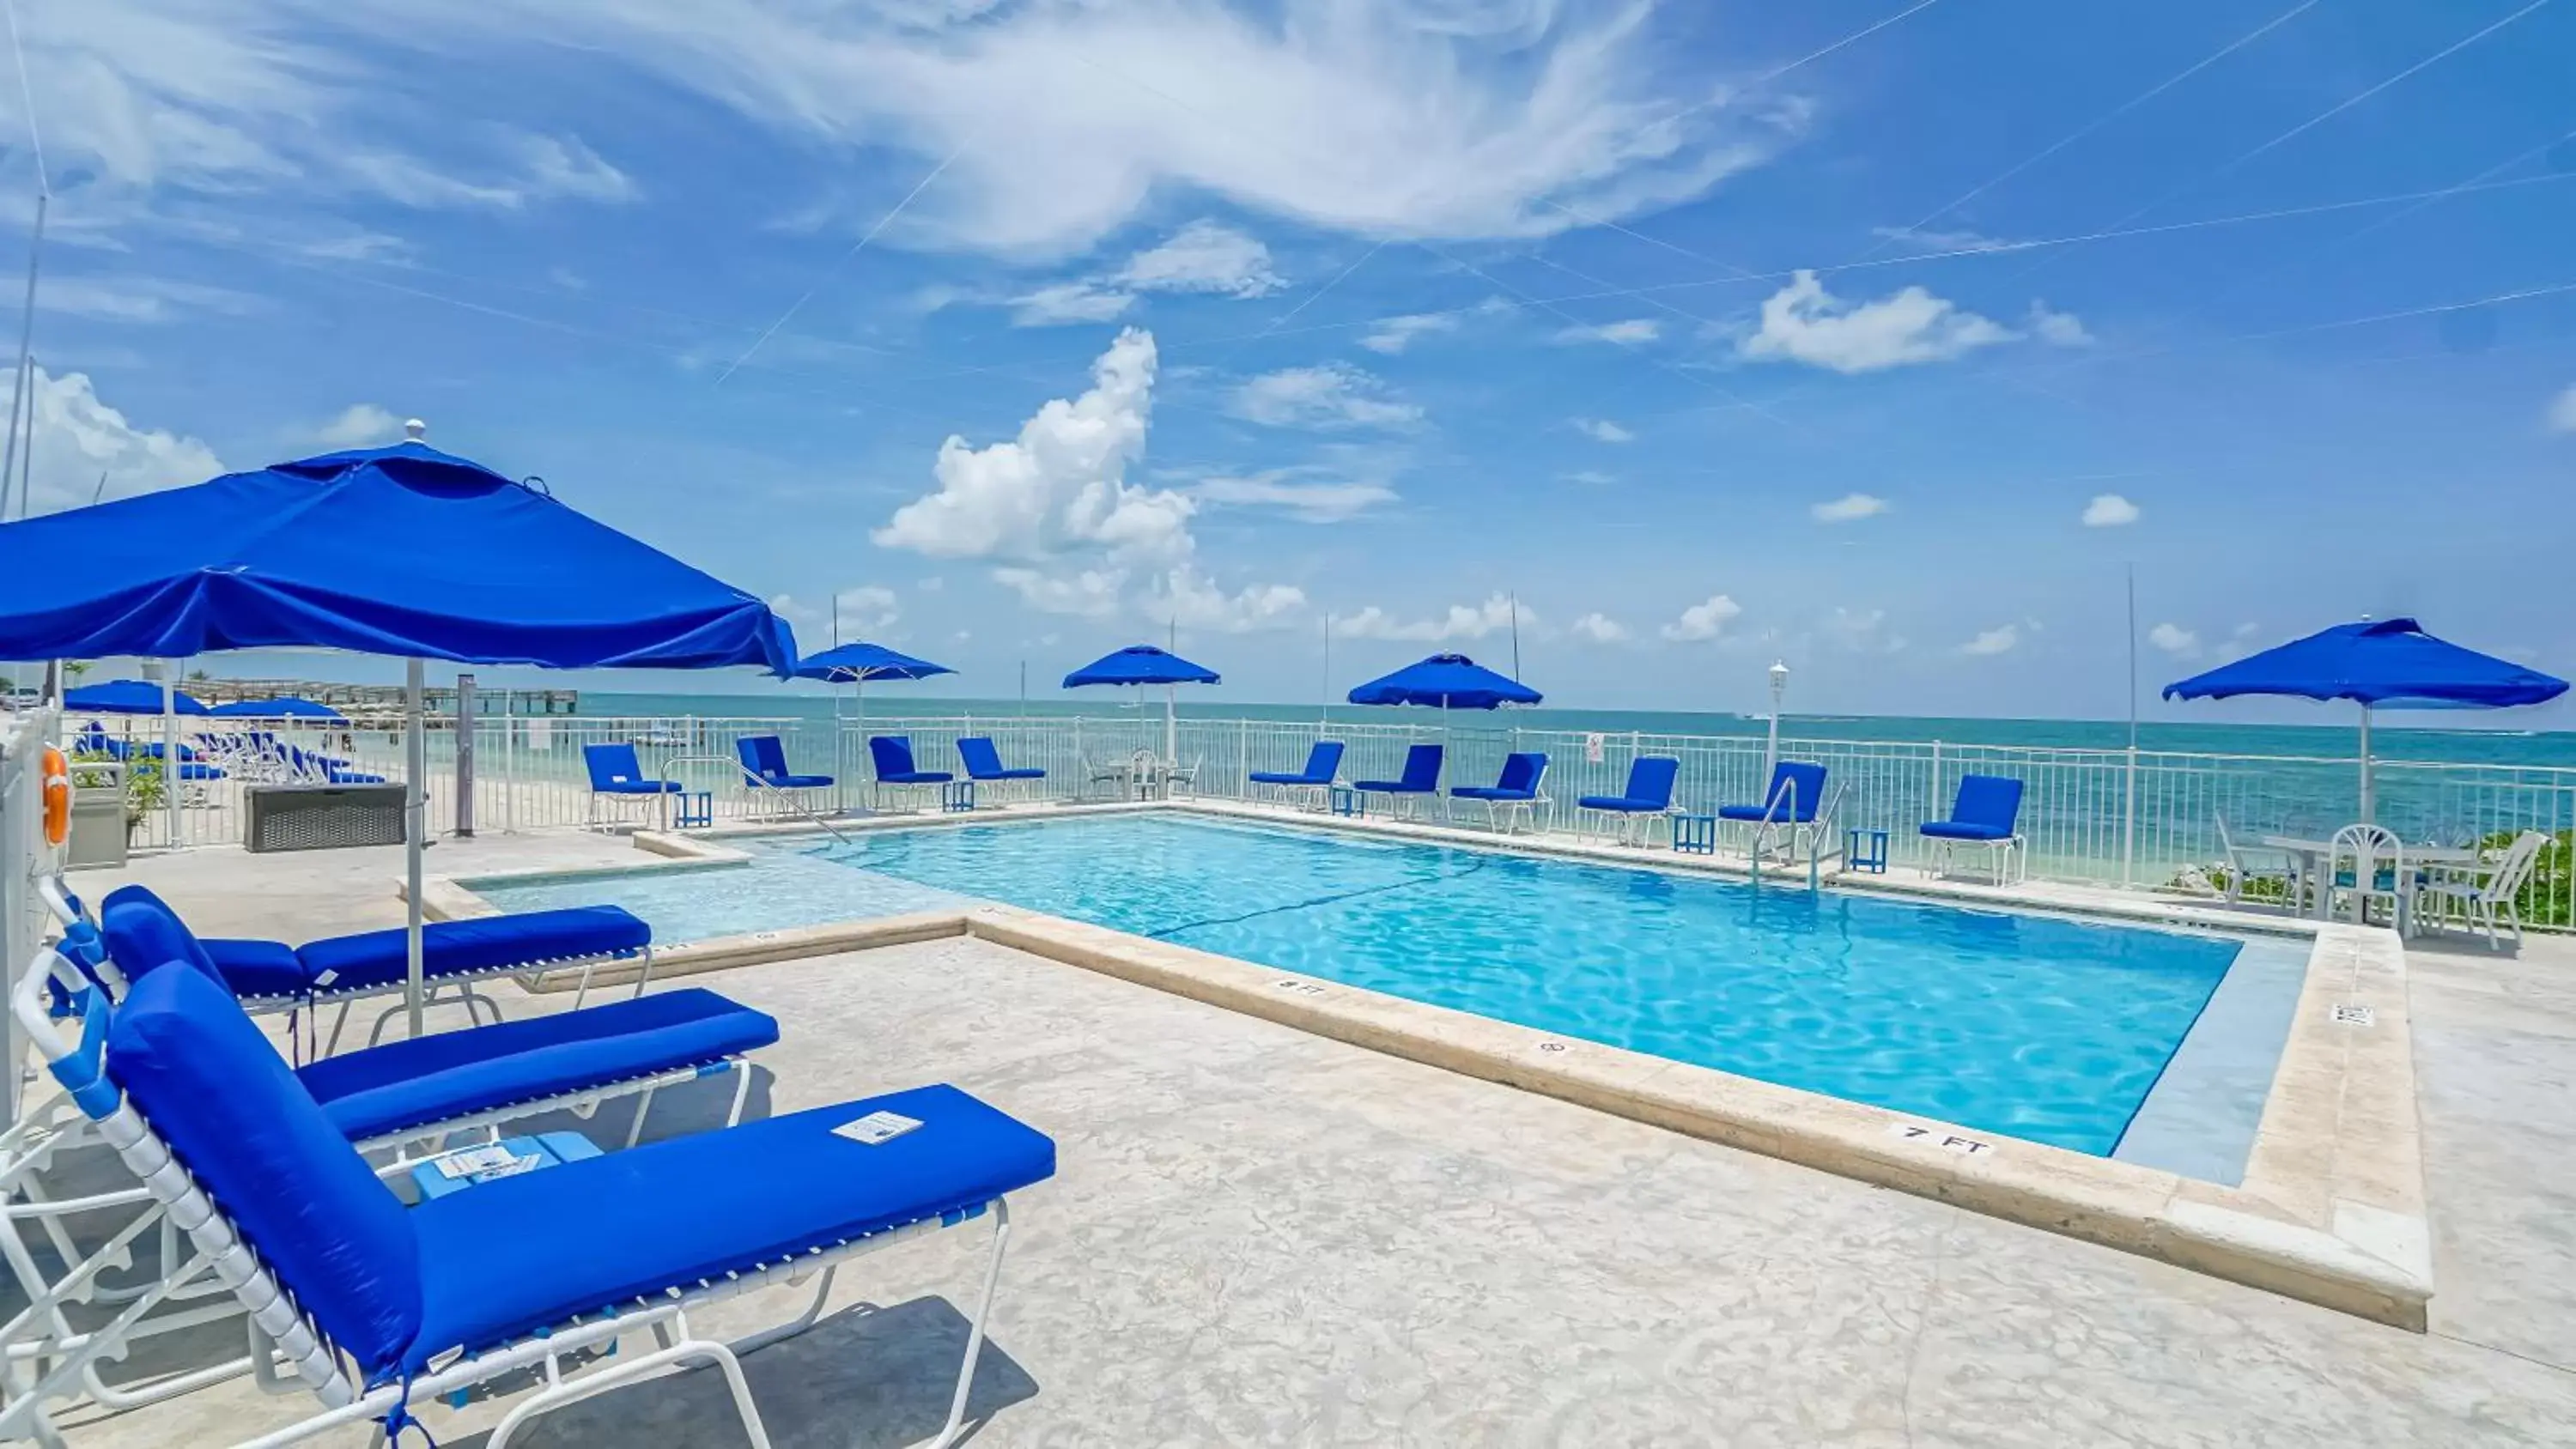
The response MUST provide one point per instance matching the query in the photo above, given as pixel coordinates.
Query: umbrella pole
(170, 746)
(415, 819)
(1171, 725)
(2366, 816)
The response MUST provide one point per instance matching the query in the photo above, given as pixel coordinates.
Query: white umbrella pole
(415, 821)
(1171, 724)
(170, 746)
(2366, 816)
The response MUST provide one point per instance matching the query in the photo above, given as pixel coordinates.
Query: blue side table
(1865, 850)
(1695, 834)
(512, 1156)
(1347, 801)
(696, 810)
(956, 797)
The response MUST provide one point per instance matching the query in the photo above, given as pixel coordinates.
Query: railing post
(2129, 823)
(1242, 757)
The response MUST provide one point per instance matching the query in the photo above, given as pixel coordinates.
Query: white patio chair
(2367, 863)
(2259, 863)
(2480, 893)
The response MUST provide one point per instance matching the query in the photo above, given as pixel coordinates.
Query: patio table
(2315, 856)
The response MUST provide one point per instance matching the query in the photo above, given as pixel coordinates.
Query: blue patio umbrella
(400, 550)
(1141, 665)
(1446, 681)
(126, 696)
(2376, 662)
(857, 663)
(285, 706)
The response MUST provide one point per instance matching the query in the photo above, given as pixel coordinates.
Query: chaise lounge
(1515, 790)
(1647, 798)
(1421, 778)
(1323, 767)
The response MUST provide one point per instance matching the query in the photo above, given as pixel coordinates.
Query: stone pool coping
(2331, 1209)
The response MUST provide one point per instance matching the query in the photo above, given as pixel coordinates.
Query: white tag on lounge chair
(876, 1127)
(475, 1160)
(326, 978)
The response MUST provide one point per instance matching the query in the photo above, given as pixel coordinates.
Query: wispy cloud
(1203, 257)
(1329, 395)
(1300, 497)
(2562, 413)
(1599, 628)
(2175, 640)
(2110, 510)
(2001, 640)
(1603, 430)
(1802, 322)
(1629, 333)
(1704, 620)
(1849, 508)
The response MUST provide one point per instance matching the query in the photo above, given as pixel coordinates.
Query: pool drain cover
(2351, 1015)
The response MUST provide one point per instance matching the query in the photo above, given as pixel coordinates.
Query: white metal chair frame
(2241, 868)
(2366, 846)
(279, 1328)
(2481, 893)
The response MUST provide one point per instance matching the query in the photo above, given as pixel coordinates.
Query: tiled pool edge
(2331, 1210)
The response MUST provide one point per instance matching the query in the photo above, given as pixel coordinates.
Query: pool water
(2047, 1028)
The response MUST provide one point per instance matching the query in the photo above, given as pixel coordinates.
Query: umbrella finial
(414, 430)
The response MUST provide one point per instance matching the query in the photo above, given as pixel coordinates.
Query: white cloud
(2175, 640)
(1060, 486)
(139, 299)
(1706, 619)
(2109, 510)
(76, 440)
(2001, 640)
(1935, 240)
(357, 426)
(2562, 413)
(1603, 430)
(1307, 502)
(1407, 119)
(1849, 507)
(1089, 593)
(1862, 630)
(1328, 395)
(1194, 602)
(1590, 477)
(864, 609)
(531, 168)
(1802, 322)
(1201, 257)
(1600, 629)
(2058, 329)
(1392, 335)
(1462, 621)
(1625, 334)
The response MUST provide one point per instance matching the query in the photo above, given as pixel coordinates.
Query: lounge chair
(892, 756)
(1323, 766)
(1516, 789)
(1421, 778)
(1647, 798)
(1984, 815)
(2260, 864)
(271, 976)
(764, 770)
(369, 1305)
(984, 764)
(2480, 895)
(1792, 808)
(615, 776)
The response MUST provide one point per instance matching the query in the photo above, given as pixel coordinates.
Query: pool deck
(1261, 1235)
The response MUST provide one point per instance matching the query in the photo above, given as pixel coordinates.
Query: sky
(1886, 338)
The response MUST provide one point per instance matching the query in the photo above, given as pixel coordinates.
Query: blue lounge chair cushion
(257, 968)
(1421, 774)
(1323, 762)
(448, 1075)
(638, 787)
(236, 1118)
(512, 1256)
(1490, 792)
(1799, 788)
(483, 943)
(1623, 803)
(1748, 812)
(1522, 771)
(984, 762)
(1961, 830)
(143, 934)
(892, 756)
(765, 756)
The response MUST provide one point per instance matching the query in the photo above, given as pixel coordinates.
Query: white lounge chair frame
(2241, 867)
(278, 1328)
(2482, 903)
(47, 1131)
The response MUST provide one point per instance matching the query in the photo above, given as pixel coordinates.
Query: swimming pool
(2048, 1028)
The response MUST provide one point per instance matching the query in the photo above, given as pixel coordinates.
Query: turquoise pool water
(2047, 1028)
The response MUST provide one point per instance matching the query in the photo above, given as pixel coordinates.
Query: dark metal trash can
(324, 817)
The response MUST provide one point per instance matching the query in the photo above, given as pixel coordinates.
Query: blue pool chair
(615, 776)
(1984, 815)
(1516, 789)
(369, 1305)
(1647, 798)
(1323, 766)
(892, 756)
(984, 764)
(764, 771)
(1792, 809)
(271, 976)
(1421, 778)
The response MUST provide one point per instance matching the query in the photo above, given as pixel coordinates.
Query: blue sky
(1876, 335)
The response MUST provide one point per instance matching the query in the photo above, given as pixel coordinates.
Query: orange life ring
(58, 797)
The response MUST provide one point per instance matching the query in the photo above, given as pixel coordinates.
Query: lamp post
(1779, 686)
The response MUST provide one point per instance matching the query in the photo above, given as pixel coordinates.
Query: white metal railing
(2095, 815)
(24, 856)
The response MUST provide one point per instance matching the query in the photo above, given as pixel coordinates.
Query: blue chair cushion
(801, 782)
(1955, 830)
(1490, 792)
(639, 787)
(1282, 777)
(450, 1074)
(1017, 772)
(1394, 787)
(215, 1090)
(486, 943)
(508, 1257)
(259, 968)
(1800, 816)
(1620, 802)
(917, 777)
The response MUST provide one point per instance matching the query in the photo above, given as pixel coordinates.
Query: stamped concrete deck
(1259, 1236)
